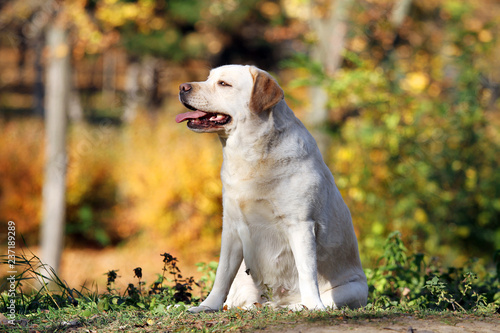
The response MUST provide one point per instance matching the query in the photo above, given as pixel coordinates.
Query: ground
(258, 320)
(410, 324)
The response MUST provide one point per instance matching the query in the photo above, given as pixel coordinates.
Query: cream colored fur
(287, 236)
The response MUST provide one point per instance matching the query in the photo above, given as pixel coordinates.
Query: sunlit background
(403, 97)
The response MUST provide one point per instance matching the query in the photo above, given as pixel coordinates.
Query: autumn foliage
(413, 117)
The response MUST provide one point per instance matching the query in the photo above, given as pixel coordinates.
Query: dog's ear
(266, 92)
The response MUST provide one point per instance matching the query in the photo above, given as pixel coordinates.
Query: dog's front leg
(231, 256)
(303, 244)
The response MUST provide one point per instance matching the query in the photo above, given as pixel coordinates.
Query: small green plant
(458, 289)
(207, 279)
(268, 293)
(112, 275)
(399, 278)
(159, 296)
(182, 288)
(50, 292)
(412, 281)
(439, 290)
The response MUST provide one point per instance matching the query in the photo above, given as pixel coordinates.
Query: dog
(287, 235)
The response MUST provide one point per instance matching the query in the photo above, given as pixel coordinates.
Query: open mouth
(203, 120)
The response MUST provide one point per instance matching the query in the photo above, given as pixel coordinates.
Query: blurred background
(402, 96)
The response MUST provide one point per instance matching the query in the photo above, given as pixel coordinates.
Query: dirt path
(407, 324)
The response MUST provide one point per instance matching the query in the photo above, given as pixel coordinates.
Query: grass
(179, 320)
(403, 285)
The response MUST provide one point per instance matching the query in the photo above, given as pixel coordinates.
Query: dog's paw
(201, 308)
(296, 307)
(301, 307)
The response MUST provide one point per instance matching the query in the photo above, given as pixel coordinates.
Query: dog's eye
(224, 84)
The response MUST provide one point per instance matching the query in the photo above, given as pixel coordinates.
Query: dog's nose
(185, 87)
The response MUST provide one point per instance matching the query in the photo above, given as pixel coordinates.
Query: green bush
(413, 281)
(408, 159)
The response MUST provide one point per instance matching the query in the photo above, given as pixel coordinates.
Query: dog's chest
(257, 189)
(266, 250)
(257, 203)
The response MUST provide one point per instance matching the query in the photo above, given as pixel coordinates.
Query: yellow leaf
(415, 82)
(485, 36)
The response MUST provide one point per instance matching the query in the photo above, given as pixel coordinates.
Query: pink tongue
(190, 115)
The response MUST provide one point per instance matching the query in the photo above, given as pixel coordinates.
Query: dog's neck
(260, 134)
(260, 150)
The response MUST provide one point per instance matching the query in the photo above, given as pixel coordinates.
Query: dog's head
(231, 95)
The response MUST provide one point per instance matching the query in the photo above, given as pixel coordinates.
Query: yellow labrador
(287, 235)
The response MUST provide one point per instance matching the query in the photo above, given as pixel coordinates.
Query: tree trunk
(75, 109)
(108, 77)
(399, 12)
(56, 102)
(330, 25)
(150, 78)
(132, 91)
(38, 88)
